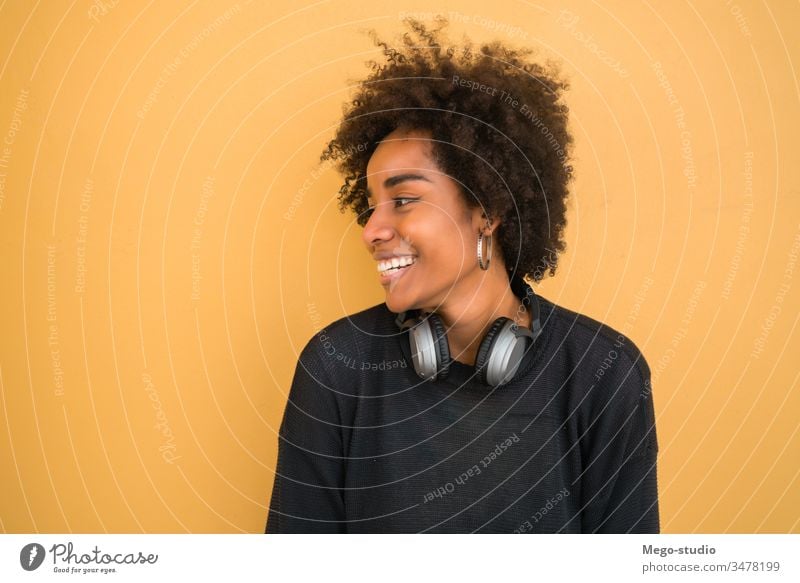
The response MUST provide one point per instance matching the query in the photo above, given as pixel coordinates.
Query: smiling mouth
(390, 267)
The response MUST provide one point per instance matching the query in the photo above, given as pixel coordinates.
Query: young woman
(465, 402)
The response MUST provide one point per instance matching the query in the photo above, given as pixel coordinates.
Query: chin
(396, 304)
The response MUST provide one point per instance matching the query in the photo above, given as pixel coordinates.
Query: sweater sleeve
(620, 486)
(307, 496)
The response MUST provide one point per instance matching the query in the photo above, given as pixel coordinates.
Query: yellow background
(168, 243)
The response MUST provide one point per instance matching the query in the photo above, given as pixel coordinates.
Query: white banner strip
(381, 558)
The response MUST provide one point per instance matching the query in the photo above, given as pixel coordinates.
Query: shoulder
(371, 321)
(588, 342)
(340, 342)
(610, 384)
(327, 368)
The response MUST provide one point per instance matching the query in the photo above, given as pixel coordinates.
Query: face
(420, 223)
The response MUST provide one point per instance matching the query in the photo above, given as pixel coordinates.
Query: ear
(481, 222)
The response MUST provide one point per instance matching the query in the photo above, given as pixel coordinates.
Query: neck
(473, 306)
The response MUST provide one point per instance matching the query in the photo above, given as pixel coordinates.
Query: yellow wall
(155, 292)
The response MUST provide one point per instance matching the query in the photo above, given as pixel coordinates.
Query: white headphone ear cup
(483, 359)
(442, 346)
(506, 355)
(421, 350)
(430, 351)
(501, 352)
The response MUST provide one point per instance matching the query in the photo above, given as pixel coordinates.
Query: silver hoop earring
(483, 265)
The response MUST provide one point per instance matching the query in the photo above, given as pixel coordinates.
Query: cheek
(439, 238)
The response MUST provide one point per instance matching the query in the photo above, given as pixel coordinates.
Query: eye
(399, 202)
(402, 198)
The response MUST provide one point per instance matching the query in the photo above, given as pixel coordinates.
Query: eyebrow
(399, 179)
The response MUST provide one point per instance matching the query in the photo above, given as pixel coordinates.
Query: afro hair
(498, 128)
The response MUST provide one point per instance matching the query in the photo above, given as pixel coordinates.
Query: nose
(380, 225)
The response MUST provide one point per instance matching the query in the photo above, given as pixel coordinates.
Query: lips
(395, 262)
(393, 274)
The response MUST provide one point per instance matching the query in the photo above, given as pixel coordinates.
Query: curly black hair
(497, 126)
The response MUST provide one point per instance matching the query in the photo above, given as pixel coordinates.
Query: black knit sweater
(568, 446)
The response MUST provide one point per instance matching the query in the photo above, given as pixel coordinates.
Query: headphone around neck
(499, 355)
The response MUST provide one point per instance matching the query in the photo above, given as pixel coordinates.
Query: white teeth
(395, 262)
